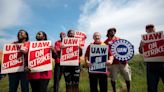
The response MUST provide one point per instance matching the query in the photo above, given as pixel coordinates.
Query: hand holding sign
(98, 58)
(39, 56)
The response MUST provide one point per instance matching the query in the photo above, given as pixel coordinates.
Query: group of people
(39, 80)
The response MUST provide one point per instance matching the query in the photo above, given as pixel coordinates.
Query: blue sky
(53, 16)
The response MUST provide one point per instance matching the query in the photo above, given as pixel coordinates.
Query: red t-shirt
(87, 54)
(109, 42)
(57, 48)
(36, 75)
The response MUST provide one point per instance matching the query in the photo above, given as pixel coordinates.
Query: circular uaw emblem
(122, 50)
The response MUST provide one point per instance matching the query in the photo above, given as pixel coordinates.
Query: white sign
(70, 52)
(98, 58)
(39, 56)
(12, 59)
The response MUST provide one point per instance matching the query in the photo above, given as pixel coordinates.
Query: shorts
(71, 74)
(123, 68)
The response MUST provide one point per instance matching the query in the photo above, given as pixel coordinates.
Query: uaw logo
(122, 50)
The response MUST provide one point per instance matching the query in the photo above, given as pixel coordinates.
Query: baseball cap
(149, 26)
(110, 29)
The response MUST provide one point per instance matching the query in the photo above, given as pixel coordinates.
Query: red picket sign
(153, 49)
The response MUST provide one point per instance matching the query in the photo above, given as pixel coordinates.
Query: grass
(138, 83)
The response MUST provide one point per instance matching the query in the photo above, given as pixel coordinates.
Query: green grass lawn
(138, 83)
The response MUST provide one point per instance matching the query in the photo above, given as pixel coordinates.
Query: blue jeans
(155, 71)
(14, 79)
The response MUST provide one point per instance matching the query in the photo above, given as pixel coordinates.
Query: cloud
(128, 16)
(65, 5)
(6, 38)
(13, 13)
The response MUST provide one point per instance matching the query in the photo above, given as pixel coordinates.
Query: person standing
(15, 78)
(38, 80)
(94, 78)
(56, 50)
(0, 64)
(117, 65)
(154, 70)
(72, 73)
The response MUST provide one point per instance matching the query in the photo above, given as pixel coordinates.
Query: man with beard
(117, 65)
(98, 79)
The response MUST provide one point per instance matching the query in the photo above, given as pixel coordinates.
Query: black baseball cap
(149, 26)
